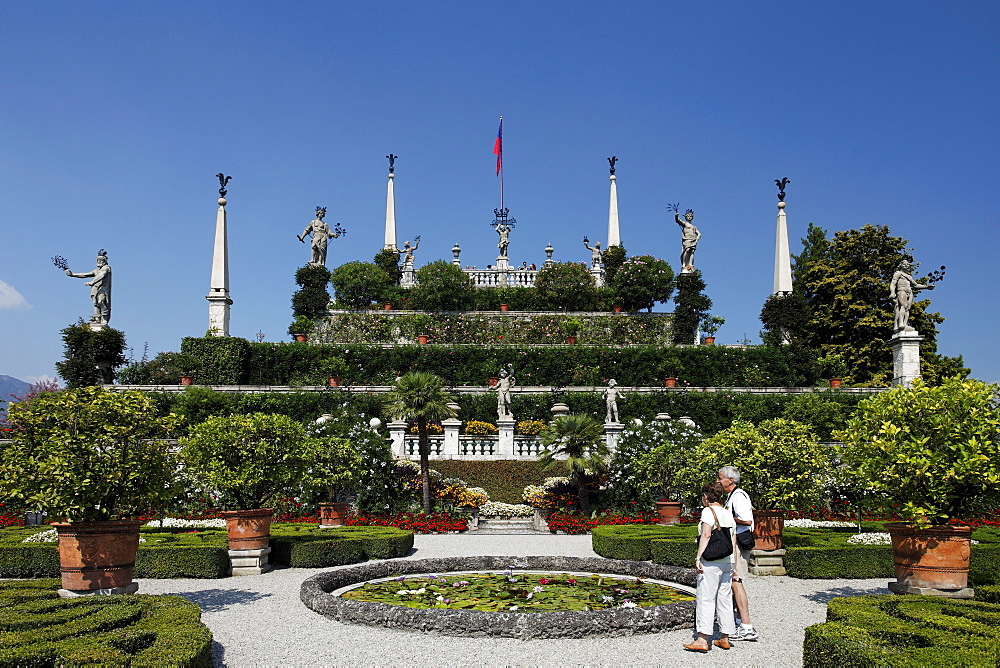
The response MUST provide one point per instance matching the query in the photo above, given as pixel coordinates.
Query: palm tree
(580, 439)
(420, 396)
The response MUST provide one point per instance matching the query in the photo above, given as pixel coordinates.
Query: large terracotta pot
(333, 514)
(709, 340)
(301, 338)
(334, 381)
(670, 381)
(767, 528)
(97, 555)
(248, 529)
(388, 307)
(571, 340)
(669, 512)
(503, 308)
(936, 557)
(616, 309)
(422, 338)
(835, 382)
(187, 380)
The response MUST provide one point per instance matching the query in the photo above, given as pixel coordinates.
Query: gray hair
(731, 472)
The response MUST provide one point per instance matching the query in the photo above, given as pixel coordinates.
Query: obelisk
(614, 237)
(782, 257)
(390, 207)
(218, 298)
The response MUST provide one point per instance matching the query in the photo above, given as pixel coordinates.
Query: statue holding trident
(407, 253)
(902, 287)
(689, 236)
(100, 287)
(320, 232)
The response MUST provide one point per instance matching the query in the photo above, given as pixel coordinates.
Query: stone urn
(96, 556)
(333, 514)
(767, 528)
(934, 560)
(669, 512)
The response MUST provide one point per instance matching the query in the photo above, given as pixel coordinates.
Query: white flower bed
(873, 538)
(817, 524)
(49, 536)
(175, 523)
(497, 509)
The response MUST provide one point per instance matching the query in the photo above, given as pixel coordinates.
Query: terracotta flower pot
(768, 525)
(670, 381)
(616, 309)
(187, 380)
(570, 340)
(669, 512)
(709, 340)
(422, 338)
(248, 529)
(301, 338)
(835, 382)
(492, 381)
(503, 307)
(333, 381)
(97, 555)
(936, 557)
(388, 307)
(333, 514)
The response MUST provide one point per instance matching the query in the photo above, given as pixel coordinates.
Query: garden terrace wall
(479, 328)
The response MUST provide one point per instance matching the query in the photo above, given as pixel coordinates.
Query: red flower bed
(10, 518)
(415, 522)
(577, 524)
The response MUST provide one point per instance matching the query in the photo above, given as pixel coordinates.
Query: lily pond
(517, 591)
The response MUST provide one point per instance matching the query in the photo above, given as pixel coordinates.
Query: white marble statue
(407, 253)
(503, 229)
(503, 389)
(595, 253)
(611, 396)
(902, 288)
(689, 240)
(321, 233)
(100, 288)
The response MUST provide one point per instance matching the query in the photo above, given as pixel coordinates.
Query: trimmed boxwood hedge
(310, 547)
(632, 541)
(38, 628)
(891, 630)
(503, 480)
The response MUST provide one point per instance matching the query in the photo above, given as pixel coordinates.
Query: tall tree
(844, 280)
(421, 397)
(579, 438)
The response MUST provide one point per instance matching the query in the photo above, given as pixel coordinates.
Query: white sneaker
(745, 633)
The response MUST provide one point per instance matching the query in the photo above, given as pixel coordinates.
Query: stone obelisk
(782, 257)
(614, 236)
(218, 298)
(390, 207)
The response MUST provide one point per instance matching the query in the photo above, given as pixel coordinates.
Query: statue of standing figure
(689, 240)
(902, 288)
(503, 229)
(611, 396)
(503, 388)
(407, 253)
(321, 233)
(595, 253)
(100, 287)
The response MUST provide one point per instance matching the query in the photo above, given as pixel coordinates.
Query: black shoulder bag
(720, 544)
(745, 539)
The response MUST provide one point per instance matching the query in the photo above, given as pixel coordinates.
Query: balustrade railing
(477, 445)
(527, 446)
(498, 278)
(436, 444)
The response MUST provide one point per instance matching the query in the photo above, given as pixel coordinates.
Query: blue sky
(116, 116)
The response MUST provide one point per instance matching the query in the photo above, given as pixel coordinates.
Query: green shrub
(40, 629)
(318, 553)
(441, 286)
(630, 541)
(855, 561)
(311, 547)
(358, 285)
(223, 358)
(504, 481)
(91, 357)
(673, 552)
(311, 299)
(904, 631)
(565, 286)
(182, 562)
(642, 281)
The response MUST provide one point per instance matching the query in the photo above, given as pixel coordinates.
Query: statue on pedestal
(902, 288)
(689, 237)
(406, 253)
(503, 229)
(611, 396)
(320, 232)
(595, 253)
(100, 287)
(503, 389)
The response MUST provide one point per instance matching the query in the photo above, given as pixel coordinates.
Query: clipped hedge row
(38, 628)
(633, 541)
(503, 480)
(893, 630)
(311, 547)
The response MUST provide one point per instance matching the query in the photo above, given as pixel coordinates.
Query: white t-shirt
(725, 520)
(741, 507)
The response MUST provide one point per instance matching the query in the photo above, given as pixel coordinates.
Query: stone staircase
(515, 525)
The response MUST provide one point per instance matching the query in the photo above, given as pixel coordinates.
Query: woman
(715, 594)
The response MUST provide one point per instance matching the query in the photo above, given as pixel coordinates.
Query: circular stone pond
(321, 593)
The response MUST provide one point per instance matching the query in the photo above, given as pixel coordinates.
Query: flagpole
(501, 162)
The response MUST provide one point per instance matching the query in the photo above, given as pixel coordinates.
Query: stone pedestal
(905, 347)
(767, 562)
(249, 562)
(397, 435)
(898, 588)
(408, 278)
(451, 428)
(130, 588)
(540, 522)
(505, 444)
(612, 434)
(598, 274)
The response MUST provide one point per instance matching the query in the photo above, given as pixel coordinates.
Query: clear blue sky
(116, 116)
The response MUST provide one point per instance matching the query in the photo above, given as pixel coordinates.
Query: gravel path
(259, 620)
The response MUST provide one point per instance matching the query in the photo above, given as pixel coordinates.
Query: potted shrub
(301, 327)
(930, 452)
(333, 370)
(96, 460)
(329, 474)
(422, 324)
(710, 324)
(249, 460)
(186, 367)
(570, 327)
(834, 368)
(781, 463)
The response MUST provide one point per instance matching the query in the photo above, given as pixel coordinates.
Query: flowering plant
(531, 427)
(433, 428)
(479, 428)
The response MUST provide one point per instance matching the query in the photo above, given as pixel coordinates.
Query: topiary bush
(565, 286)
(224, 359)
(441, 286)
(642, 281)
(91, 358)
(632, 541)
(311, 299)
(40, 629)
(360, 284)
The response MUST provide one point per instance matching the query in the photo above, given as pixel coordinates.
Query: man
(611, 396)
(740, 505)
(902, 288)
(321, 233)
(100, 288)
(689, 240)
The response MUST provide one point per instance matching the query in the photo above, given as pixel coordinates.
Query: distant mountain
(8, 386)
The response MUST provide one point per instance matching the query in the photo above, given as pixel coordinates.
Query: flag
(498, 147)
